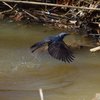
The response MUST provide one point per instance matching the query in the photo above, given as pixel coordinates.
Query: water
(22, 73)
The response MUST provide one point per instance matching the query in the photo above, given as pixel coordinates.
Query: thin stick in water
(41, 94)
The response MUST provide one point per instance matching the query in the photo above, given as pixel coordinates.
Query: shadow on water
(22, 73)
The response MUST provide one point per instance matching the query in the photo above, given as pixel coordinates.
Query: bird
(57, 48)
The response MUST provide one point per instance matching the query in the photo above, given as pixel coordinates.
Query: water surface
(22, 73)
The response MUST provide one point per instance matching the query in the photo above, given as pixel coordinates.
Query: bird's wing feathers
(60, 50)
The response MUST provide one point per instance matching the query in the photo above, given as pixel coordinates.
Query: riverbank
(77, 16)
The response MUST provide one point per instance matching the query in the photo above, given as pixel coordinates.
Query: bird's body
(56, 47)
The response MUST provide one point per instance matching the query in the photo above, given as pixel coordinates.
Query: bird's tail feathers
(32, 51)
(36, 44)
(39, 44)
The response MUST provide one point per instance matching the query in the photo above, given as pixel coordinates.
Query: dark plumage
(56, 47)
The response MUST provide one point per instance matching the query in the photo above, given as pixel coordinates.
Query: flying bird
(56, 47)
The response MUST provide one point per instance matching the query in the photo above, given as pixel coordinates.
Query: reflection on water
(22, 73)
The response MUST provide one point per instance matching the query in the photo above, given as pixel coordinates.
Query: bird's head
(62, 35)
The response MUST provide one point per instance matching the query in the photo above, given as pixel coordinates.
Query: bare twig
(7, 5)
(10, 6)
(49, 4)
(30, 14)
(41, 94)
(95, 49)
(5, 11)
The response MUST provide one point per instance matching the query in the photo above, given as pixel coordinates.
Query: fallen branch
(10, 6)
(41, 94)
(95, 49)
(49, 4)
(7, 5)
(5, 11)
(30, 14)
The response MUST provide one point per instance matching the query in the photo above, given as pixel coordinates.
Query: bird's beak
(67, 34)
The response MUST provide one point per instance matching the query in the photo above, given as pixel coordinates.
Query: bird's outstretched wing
(60, 50)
